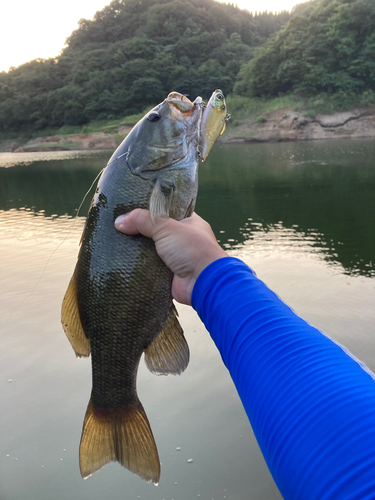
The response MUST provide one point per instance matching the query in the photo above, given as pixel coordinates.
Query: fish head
(165, 136)
(217, 101)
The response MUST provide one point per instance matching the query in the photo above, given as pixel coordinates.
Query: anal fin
(168, 354)
(122, 435)
(71, 321)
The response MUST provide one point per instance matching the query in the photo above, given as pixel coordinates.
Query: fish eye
(153, 117)
(220, 97)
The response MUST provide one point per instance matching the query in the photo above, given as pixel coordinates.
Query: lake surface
(300, 214)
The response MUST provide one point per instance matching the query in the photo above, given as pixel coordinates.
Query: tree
(192, 46)
(327, 46)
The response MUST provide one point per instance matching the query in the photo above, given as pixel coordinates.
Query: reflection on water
(36, 227)
(280, 240)
(301, 214)
(55, 185)
(323, 192)
(327, 196)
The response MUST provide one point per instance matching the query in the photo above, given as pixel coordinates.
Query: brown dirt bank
(98, 140)
(281, 125)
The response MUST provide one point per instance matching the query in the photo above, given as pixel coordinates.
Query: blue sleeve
(311, 404)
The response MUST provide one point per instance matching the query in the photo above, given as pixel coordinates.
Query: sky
(38, 28)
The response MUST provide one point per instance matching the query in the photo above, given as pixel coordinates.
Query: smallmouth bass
(118, 303)
(214, 122)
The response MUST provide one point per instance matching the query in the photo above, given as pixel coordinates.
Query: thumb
(138, 221)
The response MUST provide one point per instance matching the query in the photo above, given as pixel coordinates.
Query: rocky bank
(288, 125)
(281, 125)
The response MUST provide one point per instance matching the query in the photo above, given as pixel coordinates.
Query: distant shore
(277, 126)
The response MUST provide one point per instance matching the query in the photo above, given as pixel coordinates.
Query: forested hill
(132, 54)
(328, 47)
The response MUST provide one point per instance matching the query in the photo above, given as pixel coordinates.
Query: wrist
(208, 256)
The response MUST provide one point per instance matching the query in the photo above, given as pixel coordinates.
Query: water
(301, 214)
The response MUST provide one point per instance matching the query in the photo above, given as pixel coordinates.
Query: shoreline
(283, 125)
(286, 125)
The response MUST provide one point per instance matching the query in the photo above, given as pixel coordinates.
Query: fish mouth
(181, 107)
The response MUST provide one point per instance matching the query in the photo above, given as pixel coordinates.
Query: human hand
(186, 246)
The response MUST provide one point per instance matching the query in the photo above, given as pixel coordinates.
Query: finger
(193, 218)
(138, 221)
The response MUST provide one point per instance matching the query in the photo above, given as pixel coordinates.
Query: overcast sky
(38, 28)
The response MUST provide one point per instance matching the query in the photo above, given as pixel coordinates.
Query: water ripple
(24, 225)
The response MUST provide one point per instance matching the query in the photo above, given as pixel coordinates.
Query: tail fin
(121, 435)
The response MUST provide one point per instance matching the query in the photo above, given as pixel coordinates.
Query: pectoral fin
(161, 199)
(71, 321)
(168, 354)
(190, 208)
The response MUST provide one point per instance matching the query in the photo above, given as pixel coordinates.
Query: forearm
(310, 404)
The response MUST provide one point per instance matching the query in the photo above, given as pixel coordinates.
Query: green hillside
(327, 50)
(134, 52)
(130, 55)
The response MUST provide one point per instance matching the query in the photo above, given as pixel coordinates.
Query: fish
(118, 304)
(214, 121)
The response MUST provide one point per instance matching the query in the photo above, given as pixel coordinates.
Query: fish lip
(181, 107)
(176, 98)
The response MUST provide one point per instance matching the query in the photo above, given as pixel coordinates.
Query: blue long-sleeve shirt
(311, 404)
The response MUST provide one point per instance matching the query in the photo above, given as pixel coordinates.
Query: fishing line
(55, 250)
